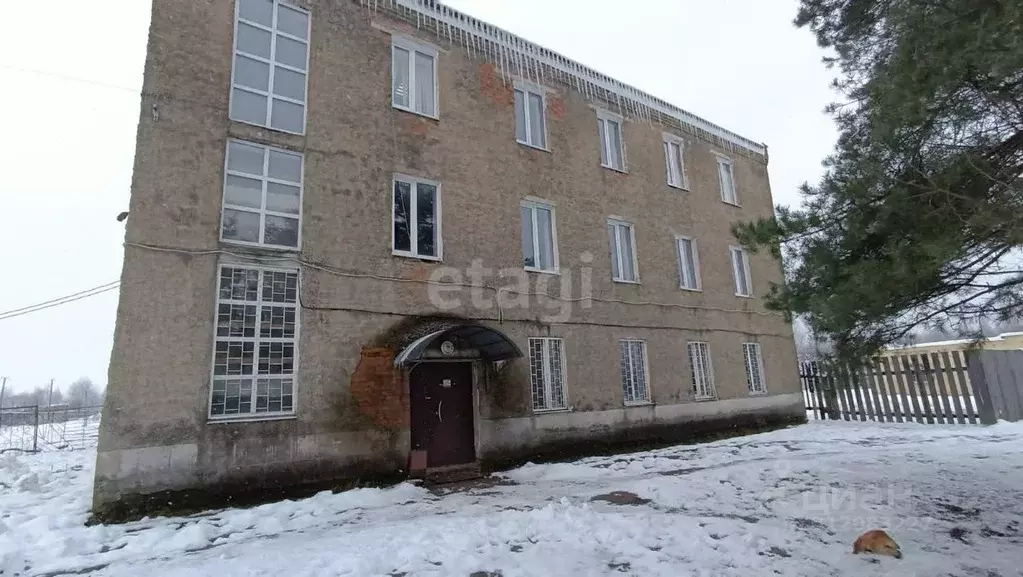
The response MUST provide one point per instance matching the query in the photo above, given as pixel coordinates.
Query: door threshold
(453, 473)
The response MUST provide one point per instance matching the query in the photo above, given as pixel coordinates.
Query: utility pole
(49, 400)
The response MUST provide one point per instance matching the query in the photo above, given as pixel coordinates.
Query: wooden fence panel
(819, 384)
(947, 375)
(885, 406)
(919, 381)
(890, 388)
(867, 370)
(962, 378)
(937, 403)
(906, 391)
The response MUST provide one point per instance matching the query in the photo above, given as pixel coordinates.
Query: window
(740, 271)
(623, 251)
(612, 154)
(262, 196)
(726, 179)
(416, 218)
(702, 371)
(547, 373)
(530, 118)
(414, 77)
(255, 343)
(688, 263)
(539, 239)
(673, 147)
(754, 368)
(634, 389)
(271, 57)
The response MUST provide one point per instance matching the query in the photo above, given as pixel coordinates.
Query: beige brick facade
(350, 414)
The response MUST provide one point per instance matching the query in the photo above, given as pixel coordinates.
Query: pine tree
(919, 215)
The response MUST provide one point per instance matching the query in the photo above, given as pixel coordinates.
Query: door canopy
(490, 344)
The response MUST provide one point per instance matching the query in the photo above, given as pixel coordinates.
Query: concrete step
(453, 473)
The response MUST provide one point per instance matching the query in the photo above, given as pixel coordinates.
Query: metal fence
(47, 428)
(954, 387)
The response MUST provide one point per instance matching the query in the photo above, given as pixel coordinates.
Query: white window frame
(698, 281)
(413, 251)
(527, 88)
(759, 368)
(252, 415)
(723, 162)
(732, 250)
(272, 63)
(682, 182)
(532, 205)
(696, 370)
(548, 400)
(264, 179)
(412, 47)
(603, 117)
(617, 223)
(631, 371)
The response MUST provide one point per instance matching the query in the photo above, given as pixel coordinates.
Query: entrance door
(442, 413)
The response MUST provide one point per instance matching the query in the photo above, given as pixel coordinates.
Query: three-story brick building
(382, 237)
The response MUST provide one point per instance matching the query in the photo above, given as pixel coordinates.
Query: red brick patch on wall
(556, 106)
(493, 87)
(378, 389)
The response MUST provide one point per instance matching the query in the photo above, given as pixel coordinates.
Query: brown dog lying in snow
(877, 542)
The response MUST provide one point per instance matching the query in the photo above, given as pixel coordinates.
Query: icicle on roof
(510, 51)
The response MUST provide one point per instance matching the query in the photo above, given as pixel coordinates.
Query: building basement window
(754, 368)
(271, 61)
(634, 372)
(262, 196)
(416, 218)
(547, 373)
(702, 370)
(255, 343)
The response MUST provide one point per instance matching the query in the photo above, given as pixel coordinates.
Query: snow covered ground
(789, 502)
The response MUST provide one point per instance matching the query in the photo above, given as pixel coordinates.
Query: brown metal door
(442, 413)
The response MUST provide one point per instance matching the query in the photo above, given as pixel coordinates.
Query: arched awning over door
(491, 344)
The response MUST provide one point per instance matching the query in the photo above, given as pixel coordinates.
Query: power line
(97, 290)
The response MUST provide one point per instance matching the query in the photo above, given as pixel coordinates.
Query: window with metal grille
(673, 148)
(754, 368)
(271, 59)
(530, 116)
(262, 196)
(413, 77)
(547, 373)
(255, 343)
(612, 151)
(702, 370)
(634, 374)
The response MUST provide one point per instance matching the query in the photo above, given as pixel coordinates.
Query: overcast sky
(69, 110)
